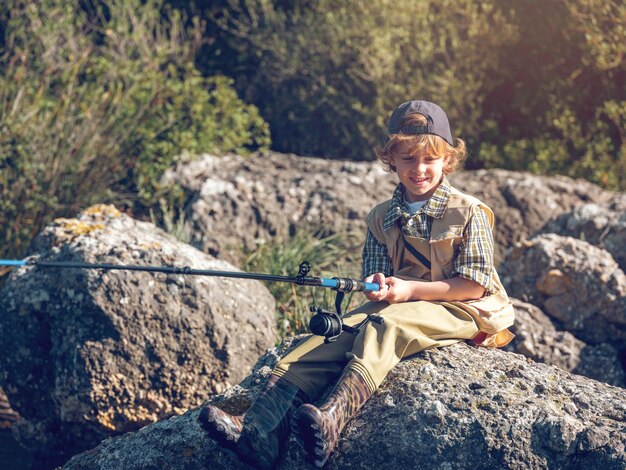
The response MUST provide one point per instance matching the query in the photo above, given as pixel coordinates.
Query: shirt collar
(435, 207)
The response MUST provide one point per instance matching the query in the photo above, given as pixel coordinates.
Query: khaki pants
(409, 328)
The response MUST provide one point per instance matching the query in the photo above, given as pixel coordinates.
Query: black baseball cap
(437, 120)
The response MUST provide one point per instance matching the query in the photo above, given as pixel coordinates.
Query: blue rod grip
(335, 283)
(328, 282)
(372, 286)
(12, 262)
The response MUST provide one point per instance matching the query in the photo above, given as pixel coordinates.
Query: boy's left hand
(392, 289)
(379, 295)
(398, 290)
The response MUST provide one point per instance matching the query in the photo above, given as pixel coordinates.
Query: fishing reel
(325, 323)
(328, 324)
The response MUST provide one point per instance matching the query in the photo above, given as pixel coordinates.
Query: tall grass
(329, 256)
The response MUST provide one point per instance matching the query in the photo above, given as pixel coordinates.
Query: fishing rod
(322, 323)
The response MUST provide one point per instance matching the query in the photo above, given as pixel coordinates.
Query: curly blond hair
(408, 144)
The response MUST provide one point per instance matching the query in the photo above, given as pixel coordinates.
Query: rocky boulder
(87, 354)
(602, 225)
(443, 408)
(537, 338)
(274, 195)
(523, 202)
(578, 285)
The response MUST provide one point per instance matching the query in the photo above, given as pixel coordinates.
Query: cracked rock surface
(87, 354)
(272, 195)
(440, 409)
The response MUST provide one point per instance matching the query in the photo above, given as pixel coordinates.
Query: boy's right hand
(379, 295)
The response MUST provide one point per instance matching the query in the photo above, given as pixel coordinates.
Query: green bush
(199, 115)
(96, 102)
(530, 85)
(327, 75)
(570, 147)
(560, 105)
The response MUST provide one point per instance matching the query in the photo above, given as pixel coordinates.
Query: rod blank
(340, 284)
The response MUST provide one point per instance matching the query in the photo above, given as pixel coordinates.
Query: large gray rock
(87, 354)
(450, 408)
(602, 225)
(578, 285)
(274, 195)
(523, 202)
(537, 338)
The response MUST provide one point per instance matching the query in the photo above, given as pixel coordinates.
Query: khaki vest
(493, 313)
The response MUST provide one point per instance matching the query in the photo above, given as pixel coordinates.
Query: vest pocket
(443, 247)
(450, 232)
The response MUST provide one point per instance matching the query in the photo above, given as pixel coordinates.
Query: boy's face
(420, 173)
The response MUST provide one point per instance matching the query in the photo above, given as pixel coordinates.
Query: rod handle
(348, 285)
(371, 286)
(12, 262)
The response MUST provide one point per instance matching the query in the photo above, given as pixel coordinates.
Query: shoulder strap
(420, 257)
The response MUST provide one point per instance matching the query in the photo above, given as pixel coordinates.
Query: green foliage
(571, 148)
(327, 76)
(560, 103)
(199, 115)
(96, 102)
(530, 85)
(335, 255)
(98, 98)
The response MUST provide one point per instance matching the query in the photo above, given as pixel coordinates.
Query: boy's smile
(420, 174)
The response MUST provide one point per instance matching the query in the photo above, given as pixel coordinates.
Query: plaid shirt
(474, 257)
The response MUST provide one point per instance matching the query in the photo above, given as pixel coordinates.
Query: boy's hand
(392, 289)
(398, 290)
(379, 295)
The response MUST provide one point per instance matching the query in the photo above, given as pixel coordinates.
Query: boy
(430, 248)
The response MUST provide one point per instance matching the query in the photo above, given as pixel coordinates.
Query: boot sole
(212, 423)
(309, 434)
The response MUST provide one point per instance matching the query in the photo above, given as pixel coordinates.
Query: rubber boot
(258, 436)
(318, 429)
